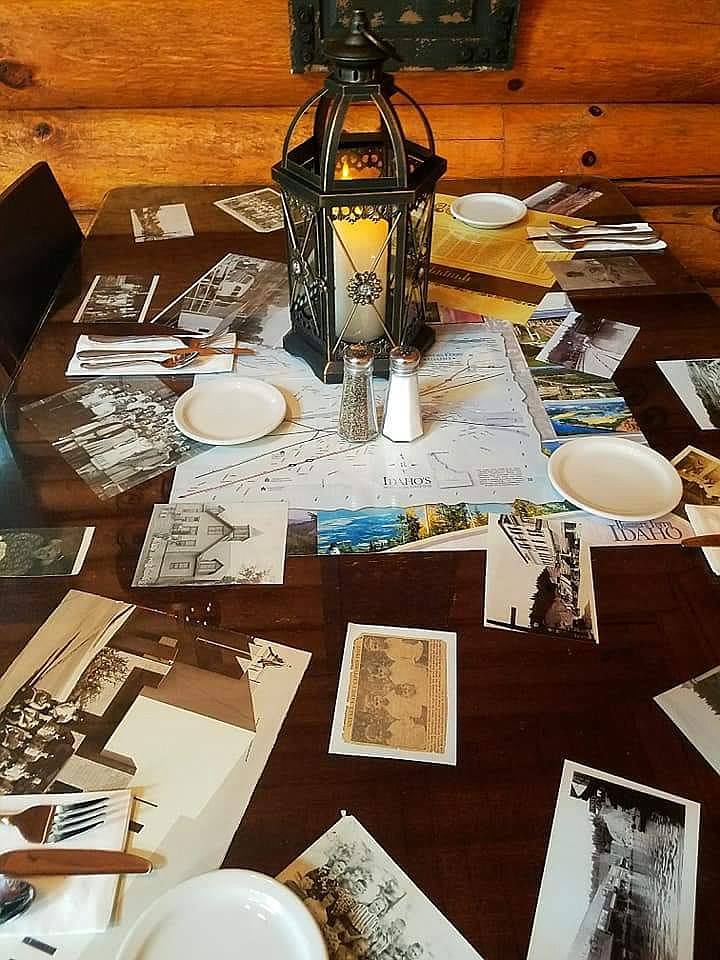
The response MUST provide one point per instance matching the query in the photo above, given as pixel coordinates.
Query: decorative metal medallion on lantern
(358, 205)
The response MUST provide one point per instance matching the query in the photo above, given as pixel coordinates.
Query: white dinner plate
(488, 210)
(225, 915)
(235, 410)
(615, 478)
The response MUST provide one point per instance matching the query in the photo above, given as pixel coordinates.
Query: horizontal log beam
(131, 53)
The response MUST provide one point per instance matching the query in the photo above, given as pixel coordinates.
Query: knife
(65, 862)
(645, 237)
(707, 540)
(165, 352)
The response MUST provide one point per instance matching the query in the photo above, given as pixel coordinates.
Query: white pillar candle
(363, 240)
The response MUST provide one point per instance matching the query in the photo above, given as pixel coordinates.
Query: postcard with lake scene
(694, 707)
(365, 905)
(620, 872)
(397, 694)
(539, 578)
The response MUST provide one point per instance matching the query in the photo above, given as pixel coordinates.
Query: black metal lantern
(358, 205)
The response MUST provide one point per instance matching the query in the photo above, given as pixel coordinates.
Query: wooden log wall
(187, 91)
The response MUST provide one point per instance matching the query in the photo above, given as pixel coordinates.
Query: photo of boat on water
(572, 417)
(620, 873)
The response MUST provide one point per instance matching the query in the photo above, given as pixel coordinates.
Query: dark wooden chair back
(39, 238)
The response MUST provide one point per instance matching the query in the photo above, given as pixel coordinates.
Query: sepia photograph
(117, 297)
(563, 198)
(396, 695)
(539, 578)
(590, 274)
(252, 293)
(261, 210)
(694, 707)
(697, 383)
(365, 905)
(167, 222)
(700, 475)
(213, 544)
(44, 551)
(589, 345)
(115, 433)
(620, 872)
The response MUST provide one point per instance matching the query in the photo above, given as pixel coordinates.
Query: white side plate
(488, 210)
(225, 915)
(615, 478)
(235, 410)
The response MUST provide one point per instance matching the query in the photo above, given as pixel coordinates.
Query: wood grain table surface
(474, 836)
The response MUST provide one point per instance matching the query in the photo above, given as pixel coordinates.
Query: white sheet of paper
(402, 667)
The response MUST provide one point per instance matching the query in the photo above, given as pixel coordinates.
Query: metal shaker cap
(358, 356)
(404, 360)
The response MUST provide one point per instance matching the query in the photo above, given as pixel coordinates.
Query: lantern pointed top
(360, 48)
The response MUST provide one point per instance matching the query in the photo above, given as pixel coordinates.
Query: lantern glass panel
(364, 149)
(364, 241)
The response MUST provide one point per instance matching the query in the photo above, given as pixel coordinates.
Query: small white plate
(615, 478)
(488, 210)
(225, 915)
(235, 410)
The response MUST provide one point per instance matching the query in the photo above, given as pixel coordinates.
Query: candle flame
(345, 170)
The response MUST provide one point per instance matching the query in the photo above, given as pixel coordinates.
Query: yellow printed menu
(505, 252)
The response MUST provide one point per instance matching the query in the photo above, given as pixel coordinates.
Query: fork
(607, 227)
(51, 822)
(173, 362)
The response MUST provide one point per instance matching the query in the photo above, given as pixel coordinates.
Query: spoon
(15, 897)
(173, 362)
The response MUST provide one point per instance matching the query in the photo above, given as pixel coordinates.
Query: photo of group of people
(115, 433)
(366, 907)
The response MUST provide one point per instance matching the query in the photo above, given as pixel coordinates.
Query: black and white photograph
(589, 345)
(697, 383)
(365, 905)
(590, 274)
(562, 198)
(167, 222)
(117, 297)
(620, 872)
(115, 433)
(44, 551)
(250, 292)
(261, 210)
(539, 577)
(694, 707)
(213, 544)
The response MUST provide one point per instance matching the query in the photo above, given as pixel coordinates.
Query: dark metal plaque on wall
(429, 34)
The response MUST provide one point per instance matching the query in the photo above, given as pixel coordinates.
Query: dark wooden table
(472, 836)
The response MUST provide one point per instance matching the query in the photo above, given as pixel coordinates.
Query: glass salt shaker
(403, 420)
(358, 416)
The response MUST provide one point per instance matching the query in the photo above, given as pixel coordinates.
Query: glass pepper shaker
(403, 419)
(358, 416)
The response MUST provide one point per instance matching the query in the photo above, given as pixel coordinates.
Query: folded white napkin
(640, 229)
(69, 904)
(216, 364)
(705, 520)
